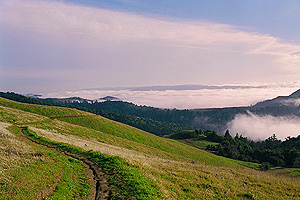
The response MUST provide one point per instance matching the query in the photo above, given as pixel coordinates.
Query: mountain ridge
(296, 94)
(281, 100)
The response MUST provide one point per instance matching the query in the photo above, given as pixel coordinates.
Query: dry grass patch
(12, 151)
(155, 145)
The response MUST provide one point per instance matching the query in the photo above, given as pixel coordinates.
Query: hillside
(116, 133)
(104, 109)
(178, 170)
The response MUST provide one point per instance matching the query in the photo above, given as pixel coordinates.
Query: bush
(265, 166)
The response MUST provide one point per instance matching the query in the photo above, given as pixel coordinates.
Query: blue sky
(49, 46)
(279, 18)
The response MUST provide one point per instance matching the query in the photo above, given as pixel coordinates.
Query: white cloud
(116, 48)
(258, 127)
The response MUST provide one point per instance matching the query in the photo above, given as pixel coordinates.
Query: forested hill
(213, 119)
(154, 120)
(292, 100)
(165, 121)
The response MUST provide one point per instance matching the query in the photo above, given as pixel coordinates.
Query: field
(179, 171)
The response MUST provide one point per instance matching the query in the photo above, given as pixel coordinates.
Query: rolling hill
(153, 167)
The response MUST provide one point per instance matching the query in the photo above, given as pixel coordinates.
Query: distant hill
(292, 100)
(79, 100)
(108, 98)
(65, 100)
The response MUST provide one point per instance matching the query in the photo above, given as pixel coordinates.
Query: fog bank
(258, 127)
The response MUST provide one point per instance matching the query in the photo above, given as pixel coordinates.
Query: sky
(61, 48)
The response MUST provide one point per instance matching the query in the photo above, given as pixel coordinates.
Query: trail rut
(100, 189)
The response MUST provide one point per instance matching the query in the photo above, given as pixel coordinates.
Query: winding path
(100, 189)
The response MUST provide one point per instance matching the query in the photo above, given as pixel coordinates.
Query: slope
(112, 132)
(181, 171)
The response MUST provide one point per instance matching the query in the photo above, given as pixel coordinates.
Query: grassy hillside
(49, 111)
(27, 170)
(114, 133)
(180, 171)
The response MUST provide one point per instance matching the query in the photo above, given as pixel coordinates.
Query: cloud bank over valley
(258, 127)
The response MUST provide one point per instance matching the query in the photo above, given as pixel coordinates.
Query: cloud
(208, 97)
(258, 127)
(109, 48)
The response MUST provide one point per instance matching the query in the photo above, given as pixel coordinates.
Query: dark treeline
(118, 111)
(149, 125)
(272, 150)
(213, 119)
(23, 99)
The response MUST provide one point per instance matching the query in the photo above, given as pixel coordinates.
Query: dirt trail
(99, 184)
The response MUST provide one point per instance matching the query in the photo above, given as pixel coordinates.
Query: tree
(227, 134)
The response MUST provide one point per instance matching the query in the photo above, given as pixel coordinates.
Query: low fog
(257, 127)
(208, 97)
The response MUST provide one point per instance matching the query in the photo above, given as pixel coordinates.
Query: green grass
(49, 111)
(28, 175)
(67, 189)
(294, 172)
(73, 184)
(126, 181)
(201, 144)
